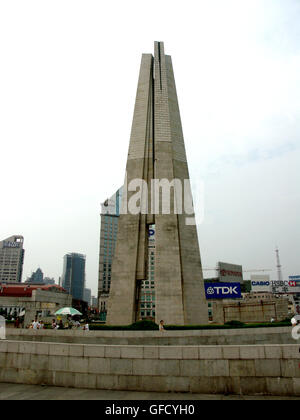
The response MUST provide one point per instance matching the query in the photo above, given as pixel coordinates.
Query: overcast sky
(68, 79)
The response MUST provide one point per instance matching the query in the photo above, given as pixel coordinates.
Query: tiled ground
(37, 392)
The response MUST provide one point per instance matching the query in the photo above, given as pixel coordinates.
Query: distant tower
(279, 272)
(73, 277)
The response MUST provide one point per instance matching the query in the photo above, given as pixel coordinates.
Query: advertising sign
(7, 244)
(260, 283)
(276, 286)
(223, 290)
(230, 273)
(295, 278)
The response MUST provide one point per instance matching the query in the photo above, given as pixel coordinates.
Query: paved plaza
(38, 392)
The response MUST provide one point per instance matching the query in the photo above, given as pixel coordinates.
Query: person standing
(36, 325)
(161, 326)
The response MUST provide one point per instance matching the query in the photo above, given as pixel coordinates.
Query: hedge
(151, 326)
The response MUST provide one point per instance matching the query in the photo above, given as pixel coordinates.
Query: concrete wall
(40, 300)
(263, 369)
(281, 335)
(247, 311)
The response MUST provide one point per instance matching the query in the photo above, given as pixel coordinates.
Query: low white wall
(280, 335)
(265, 369)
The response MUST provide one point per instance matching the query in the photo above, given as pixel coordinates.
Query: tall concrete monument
(156, 160)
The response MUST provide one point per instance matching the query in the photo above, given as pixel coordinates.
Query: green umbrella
(68, 311)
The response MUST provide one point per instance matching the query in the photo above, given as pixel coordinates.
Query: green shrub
(151, 326)
(234, 323)
(144, 325)
(137, 326)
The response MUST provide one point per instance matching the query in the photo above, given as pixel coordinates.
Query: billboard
(294, 278)
(223, 290)
(275, 286)
(230, 273)
(260, 283)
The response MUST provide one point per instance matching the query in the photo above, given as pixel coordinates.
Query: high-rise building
(87, 296)
(73, 277)
(94, 302)
(48, 280)
(110, 212)
(146, 298)
(157, 153)
(11, 259)
(37, 277)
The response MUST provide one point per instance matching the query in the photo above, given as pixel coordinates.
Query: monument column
(157, 152)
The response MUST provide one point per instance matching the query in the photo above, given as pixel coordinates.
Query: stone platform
(276, 335)
(223, 369)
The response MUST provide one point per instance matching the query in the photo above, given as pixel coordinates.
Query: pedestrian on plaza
(36, 325)
(161, 325)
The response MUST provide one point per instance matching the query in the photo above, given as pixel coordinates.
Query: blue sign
(223, 291)
(294, 278)
(151, 232)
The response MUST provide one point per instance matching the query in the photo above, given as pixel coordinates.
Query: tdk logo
(223, 290)
(226, 290)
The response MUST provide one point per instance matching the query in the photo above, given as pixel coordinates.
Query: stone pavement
(38, 392)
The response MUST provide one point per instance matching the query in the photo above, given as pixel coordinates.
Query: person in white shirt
(36, 325)
(161, 326)
(295, 320)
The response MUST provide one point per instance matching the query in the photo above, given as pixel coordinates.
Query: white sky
(68, 80)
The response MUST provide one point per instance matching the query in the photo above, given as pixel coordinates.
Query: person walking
(161, 325)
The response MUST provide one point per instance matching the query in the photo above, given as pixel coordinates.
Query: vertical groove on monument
(194, 302)
(129, 263)
(168, 276)
(157, 151)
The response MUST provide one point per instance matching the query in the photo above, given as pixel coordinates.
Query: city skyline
(239, 99)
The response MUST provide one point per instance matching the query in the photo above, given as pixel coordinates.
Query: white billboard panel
(262, 284)
(230, 273)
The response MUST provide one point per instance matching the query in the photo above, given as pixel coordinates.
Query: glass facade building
(73, 277)
(108, 235)
(110, 212)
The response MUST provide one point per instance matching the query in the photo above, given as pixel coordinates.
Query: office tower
(73, 277)
(37, 277)
(87, 296)
(110, 212)
(11, 259)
